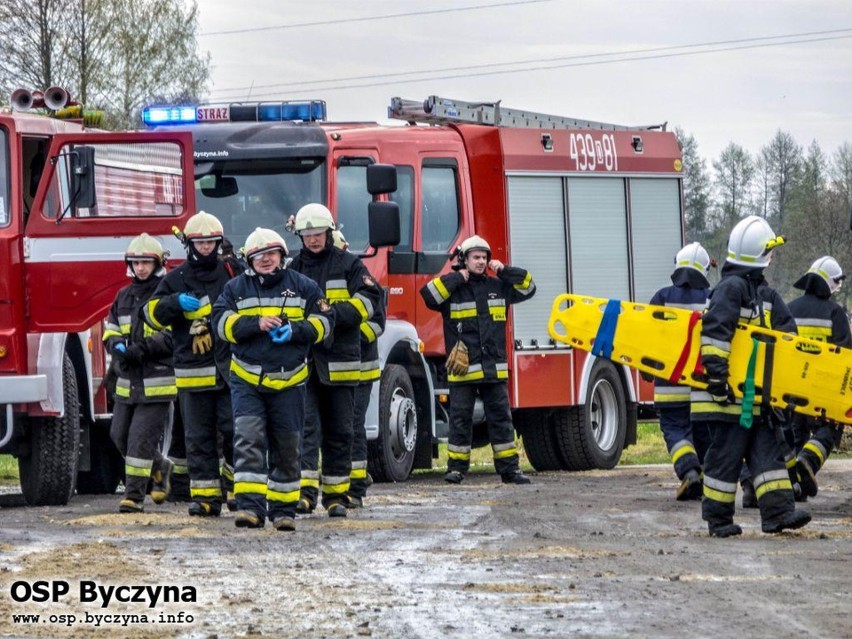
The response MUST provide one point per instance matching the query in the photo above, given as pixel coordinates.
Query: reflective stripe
(202, 311)
(438, 291)
(122, 387)
(225, 328)
(770, 475)
(817, 449)
(458, 452)
(813, 321)
(195, 377)
(335, 485)
(683, 447)
(498, 312)
(148, 311)
(248, 487)
(814, 332)
(718, 343)
(502, 451)
(770, 486)
(309, 483)
(718, 484)
(180, 466)
(526, 287)
(689, 307)
(257, 478)
(321, 326)
(473, 373)
(282, 492)
(670, 394)
(370, 331)
(159, 386)
(138, 467)
(721, 491)
(344, 371)
(463, 310)
(368, 310)
(279, 380)
(205, 488)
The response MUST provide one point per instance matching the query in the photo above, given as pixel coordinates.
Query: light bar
(303, 110)
(169, 115)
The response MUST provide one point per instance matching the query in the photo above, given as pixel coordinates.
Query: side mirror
(381, 178)
(83, 177)
(383, 218)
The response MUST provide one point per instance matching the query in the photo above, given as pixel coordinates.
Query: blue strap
(606, 330)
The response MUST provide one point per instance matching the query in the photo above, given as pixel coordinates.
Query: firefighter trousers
(686, 441)
(329, 414)
(814, 439)
(136, 431)
(758, 445)
(267, 429)
(177, 455)
(205, 415)
(358, 475)
(498, 416)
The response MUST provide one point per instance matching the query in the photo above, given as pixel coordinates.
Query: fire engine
(71, 199)
(586, 207)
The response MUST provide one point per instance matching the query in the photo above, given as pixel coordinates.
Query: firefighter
(330, 402)
(145, 385)
(371, 329)
(819, 318)
(474, 307)
(268, 316)
(184, 300)
(743, 295)
(686, 441)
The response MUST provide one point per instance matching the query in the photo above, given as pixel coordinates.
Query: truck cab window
(352, 202)
(4, 178)
(404, 197)
(440, 208)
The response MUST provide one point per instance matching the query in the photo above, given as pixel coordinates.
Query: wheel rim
(403, 424)
(604, 414)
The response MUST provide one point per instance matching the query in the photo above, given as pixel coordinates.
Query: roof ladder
(437, 110)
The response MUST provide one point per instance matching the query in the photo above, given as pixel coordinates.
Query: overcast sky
(741, 94)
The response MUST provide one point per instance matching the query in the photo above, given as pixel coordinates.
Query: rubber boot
(725, 530)
(248, 519)
(807, 476)
(788, 521)
(691, 487)
(162, 482)
(514, 477)
(204, 509)
(304, 507)
(454, 477)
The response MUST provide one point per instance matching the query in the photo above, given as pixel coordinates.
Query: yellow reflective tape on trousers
(769, 486)
(245, 487)
(195, 377)
(718, 495)
(683, 450)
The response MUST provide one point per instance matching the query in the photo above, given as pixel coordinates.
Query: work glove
(120, 351)
(282, 334)
(720, 391)
(458, 361)
(188, 302)
(202, 340)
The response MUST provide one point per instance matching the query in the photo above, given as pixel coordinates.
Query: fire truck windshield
(245, 195)
(4, 178)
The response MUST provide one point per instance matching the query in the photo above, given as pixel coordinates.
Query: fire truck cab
(586, 207)
(71, 200)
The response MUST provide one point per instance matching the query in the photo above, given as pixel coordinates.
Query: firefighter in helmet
(271, 316)
(742, 295)
(474, 306)
(686, 441)
(330, 406)
(371, 329)
(145, 385)
(818, 317)
(184, 300)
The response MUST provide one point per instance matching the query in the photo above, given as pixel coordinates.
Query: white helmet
(311, 218)
(474, 243)
(829, 270)
(751, 242)
(203, 226)
(262, 240)
(693, 256)
(339, 240)
(145, 247)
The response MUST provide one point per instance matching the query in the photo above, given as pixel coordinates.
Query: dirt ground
(597, 554)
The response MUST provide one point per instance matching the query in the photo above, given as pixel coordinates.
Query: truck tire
(107, 465)
(49, 468)
(592, 435)
(390, 456)
(539, 441)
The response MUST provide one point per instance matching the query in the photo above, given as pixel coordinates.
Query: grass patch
(650, 448)
(8, 470)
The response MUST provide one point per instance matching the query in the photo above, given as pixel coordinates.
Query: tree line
(804, 193)
(113, 55)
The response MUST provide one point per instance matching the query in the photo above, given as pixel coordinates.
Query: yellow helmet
(262, 240)
(474, 243)
(145, 247)
(203, 226)
(313, 217)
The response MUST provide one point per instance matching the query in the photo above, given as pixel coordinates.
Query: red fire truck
(70, 201)
(587, 207)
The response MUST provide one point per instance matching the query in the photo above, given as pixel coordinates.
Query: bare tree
(696, 188)
(779, 163)
(733, 181)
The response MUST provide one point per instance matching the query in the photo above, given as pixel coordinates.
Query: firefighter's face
(476, 261)
(266, 263)
(314, 242)
(204, 247)
(142, 269)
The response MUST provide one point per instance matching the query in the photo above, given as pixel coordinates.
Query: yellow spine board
(813, 376)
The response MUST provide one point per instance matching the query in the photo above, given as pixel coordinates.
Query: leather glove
(282, 334)
(720, 391)
(202, 340)
(188, 302)
(458, 361)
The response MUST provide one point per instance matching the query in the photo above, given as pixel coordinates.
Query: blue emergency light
(304, 110)
(169, 115)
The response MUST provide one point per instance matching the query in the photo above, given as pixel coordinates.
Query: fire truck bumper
(23, 389)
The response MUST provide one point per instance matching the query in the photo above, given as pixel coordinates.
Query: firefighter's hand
(720, 391)
(496, 265)
(188, 302)
(268, 323)
(464, 273)
(202, 340)
(282, 334)
(458, 361)
(119, 351)
(134, 353)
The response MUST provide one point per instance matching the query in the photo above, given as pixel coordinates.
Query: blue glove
(281, 334)
(188, 302)
(120, 348)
